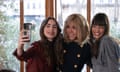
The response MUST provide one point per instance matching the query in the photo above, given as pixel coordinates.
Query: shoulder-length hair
(57, 42)
(99, 19)
(81, 25)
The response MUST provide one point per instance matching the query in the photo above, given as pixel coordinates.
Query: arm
(19, 52)
(110, 48)
(29, 53)
(22, 39)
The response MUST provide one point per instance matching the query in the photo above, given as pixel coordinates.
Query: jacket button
(64, 51)
(75, 66)
(78, 55)
(60, 71)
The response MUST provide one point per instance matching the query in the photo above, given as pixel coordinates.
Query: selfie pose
(43, 55)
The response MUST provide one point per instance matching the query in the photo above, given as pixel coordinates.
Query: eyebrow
(50, 24)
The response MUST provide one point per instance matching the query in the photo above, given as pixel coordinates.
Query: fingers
(23, 38)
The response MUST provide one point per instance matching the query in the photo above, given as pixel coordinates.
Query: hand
(23, 39)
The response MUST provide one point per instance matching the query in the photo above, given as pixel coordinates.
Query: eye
(48, 25)
(54, 26)
(101, 27)
(73, 27)
(94, 26)
(67, 26)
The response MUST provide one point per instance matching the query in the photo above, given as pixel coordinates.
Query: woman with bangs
(104, 49)
(76, 49)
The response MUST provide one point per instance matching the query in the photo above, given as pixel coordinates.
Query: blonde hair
(82, 28)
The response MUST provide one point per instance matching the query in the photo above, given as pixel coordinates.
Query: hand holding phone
(27, 30)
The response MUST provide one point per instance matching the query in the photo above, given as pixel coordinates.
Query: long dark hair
(100, 19)
(55, 53)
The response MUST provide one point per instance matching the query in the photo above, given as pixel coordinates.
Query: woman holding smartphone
(44, 54)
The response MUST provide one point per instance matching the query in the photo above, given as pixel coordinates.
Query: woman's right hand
(22, 40)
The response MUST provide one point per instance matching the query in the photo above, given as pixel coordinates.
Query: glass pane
(65, 8)
(9, 31)
(111, 8)
(34, 12)
(9, 28)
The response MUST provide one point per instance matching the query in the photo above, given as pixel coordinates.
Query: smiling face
(97, 31)
(71, 31)
(99, 26)
(50, 30)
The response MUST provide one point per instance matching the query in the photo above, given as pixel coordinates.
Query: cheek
(67, 30)
(102, 32)
(92, 30)
(75, 31)
(55, 31)
(44, 31)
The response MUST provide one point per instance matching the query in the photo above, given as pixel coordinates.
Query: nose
(51, 28)
(97, 29)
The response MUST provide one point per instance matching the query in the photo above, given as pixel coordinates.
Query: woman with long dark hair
(104, 49)
(43, 55)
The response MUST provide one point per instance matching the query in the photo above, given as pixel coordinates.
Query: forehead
(71, 23)
(51, 21)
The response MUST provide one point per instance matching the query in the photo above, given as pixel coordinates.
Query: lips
(71, 36)
(51, 33)
(96, 34)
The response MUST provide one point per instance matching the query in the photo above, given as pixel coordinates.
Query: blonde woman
(76, 49)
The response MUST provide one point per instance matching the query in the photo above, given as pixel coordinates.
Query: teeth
(96, 33)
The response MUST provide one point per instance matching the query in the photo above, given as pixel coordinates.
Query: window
(111, 8)
(10, 28)
(65, 8)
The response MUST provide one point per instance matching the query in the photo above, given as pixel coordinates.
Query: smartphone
(27, 29)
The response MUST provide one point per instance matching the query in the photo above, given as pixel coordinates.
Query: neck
(50, 40)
